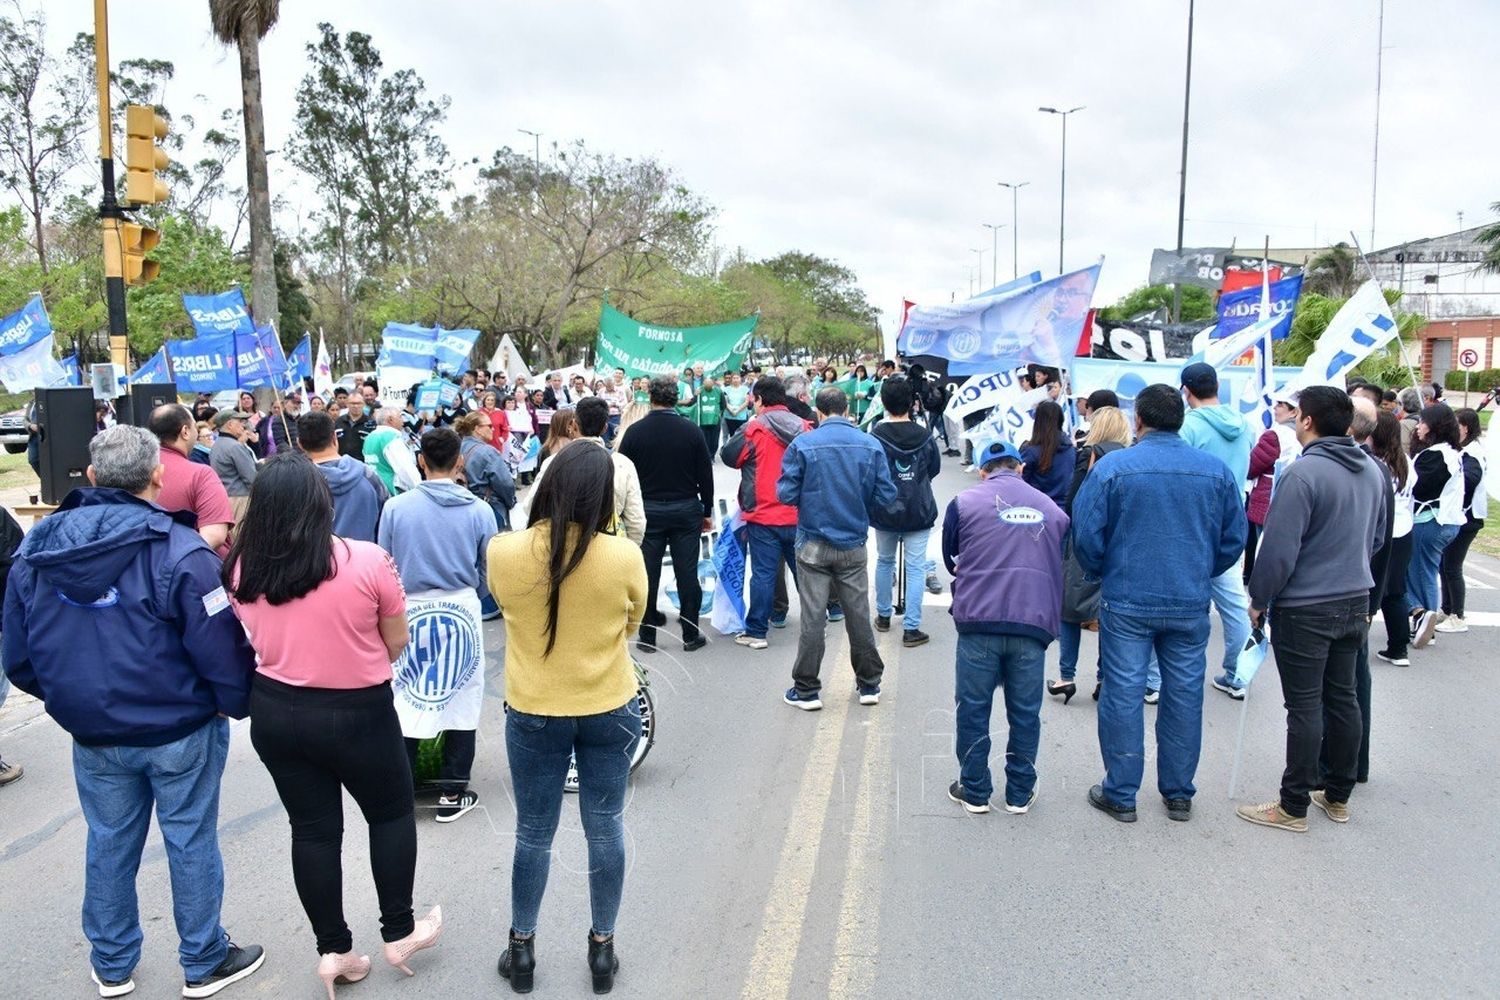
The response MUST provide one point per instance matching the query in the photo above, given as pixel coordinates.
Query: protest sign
(222, 313)
(646, 349)
(24, 327)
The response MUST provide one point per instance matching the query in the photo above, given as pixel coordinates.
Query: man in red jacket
(771, 526)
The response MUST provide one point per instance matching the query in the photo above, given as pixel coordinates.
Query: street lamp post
(1015, 227)
(995, 251)
(1062, 199)
(537, 154)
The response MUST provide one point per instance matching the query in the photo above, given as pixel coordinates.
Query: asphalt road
(780, 854)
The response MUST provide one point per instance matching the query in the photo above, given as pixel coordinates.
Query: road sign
(1468, 359)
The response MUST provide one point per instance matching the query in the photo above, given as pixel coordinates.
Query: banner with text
(647, 349)
(32, 367)
(1145, 340)
(1238, 310)
(1201, 266)
(207, 363)
(222, 313)
(24, 327)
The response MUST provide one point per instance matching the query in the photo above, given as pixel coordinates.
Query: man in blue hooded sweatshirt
(358, 493)
(116, 619)
(438, 534)
(1222, 432)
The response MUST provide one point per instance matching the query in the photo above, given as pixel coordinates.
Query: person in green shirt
(859, 392)
(736, 403)
(687, 395)
(710, 411)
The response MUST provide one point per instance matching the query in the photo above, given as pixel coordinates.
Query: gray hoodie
(437, 533)
(1327, 517)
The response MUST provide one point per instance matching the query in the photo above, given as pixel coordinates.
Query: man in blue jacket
(1002, 541)
(1155, 523)
(836, 477)
(115, 618)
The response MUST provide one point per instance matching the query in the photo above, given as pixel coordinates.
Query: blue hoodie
(437, 533)
(116, 619)
(358, 496)
(1223, 433)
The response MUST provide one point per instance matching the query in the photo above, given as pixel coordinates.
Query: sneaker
(913, 637)
(969, 468)
(746, 639)
(869, 695)
(882, 623)
(10, 773)
(1230, 686)
(778, 622)
(1454, 623)
(934, 585)
(239, 964)
(1271, 814)
(451, 807)
(112, 987)
(806, 702)
(1180, 810)
(1337, 811)
(835, 614)
(1426, 624)
(1392, 658)
(956, 793)
(1021, 809)
(1152, 696)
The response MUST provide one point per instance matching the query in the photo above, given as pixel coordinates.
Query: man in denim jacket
(835, 476)
(1155, 524)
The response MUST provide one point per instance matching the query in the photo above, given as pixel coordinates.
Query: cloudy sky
(874, 132)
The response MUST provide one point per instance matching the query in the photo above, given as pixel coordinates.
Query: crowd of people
(210, 543)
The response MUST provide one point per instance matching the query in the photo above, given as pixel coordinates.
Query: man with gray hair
(1412, 402)
(116, 619)
(387, 452)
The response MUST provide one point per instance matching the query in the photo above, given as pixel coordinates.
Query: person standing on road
(710, 412)
(1156, 523)
(1220, 430)
(836, 476)
(630, 511)
(1476, 499)
(1048, 456)
(736, 403)
(233, 461)
(358, 494)
(387, 452)
(11, 537)
(115, 619)
(485, 470)
(354, 427)
(913, 461)
(438, 534)
(770, 525)
(1003, 543)
(1327, 520)
(677, 493)
(1385, 444)
(1438, 498)
(188, 485)
(320, 722)
(572, 594)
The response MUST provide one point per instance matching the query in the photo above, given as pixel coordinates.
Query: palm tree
(1333, 273)
(243, 23)
(1491, 234)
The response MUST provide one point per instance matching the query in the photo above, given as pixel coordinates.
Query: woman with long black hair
(1048, 456)
(322, 717)
(1476, 499)
(572, 596)
(1386, 444)
(1438, 512)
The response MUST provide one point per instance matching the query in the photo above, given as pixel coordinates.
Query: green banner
(643, 349)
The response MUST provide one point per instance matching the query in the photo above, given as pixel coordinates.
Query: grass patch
(15, 472)
(1488, 539)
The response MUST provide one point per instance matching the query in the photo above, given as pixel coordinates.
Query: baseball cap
(1201, 379)
(224, 416)
(997, 450)
(1286, 396)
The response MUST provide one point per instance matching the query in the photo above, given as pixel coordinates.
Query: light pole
(994, 249)
(979, 270)
(1187, 97)
(537, 156)
(1062, 198)
(1015, 227)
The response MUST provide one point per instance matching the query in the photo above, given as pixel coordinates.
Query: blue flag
(204, 364)
(155, 370)
(451, 348)
(70, 365)
(222, 313)
(403, 345)
(301, 362)
(1238, 310)
(258, 359)
(24, 327)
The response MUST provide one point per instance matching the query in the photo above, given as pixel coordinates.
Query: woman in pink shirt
(327, 617)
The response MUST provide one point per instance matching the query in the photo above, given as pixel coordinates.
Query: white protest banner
(1362, 325)
(981, 392)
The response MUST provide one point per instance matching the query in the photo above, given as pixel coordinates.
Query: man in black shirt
(677, 490)
(353, 427)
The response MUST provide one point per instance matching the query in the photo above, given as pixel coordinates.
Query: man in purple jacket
(1002, 541)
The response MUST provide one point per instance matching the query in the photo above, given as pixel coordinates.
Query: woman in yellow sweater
(572, 594)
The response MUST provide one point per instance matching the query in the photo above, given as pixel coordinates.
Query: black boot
(518, 964)
(603, 963)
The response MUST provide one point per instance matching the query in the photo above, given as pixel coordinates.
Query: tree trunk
(263, 304)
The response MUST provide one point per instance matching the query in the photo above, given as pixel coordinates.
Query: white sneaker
(745, 639)
(1021, 809)
(1454, 623)
(1426, 624)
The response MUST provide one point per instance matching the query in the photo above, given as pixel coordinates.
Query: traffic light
(137, 241)
(144, 157)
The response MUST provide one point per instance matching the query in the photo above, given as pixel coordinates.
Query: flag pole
(1400, 343)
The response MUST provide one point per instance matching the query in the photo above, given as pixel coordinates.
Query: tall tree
(243, 23)
(44, 119)
(1490, 235)
(1334, 272)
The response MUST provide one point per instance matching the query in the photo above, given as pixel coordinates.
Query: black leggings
(316, 742)
(1393, 606)
(1451, 570)
(1252, 542)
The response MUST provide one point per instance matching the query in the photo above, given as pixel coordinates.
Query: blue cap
(997, 450)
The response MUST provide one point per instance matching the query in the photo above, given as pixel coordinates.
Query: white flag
(1362, 326)
(32, 367)
(323, 370)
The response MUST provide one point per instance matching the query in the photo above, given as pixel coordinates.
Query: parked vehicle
(13, 431)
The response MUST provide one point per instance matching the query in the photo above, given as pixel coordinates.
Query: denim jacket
(835, 475)
(1155, 523)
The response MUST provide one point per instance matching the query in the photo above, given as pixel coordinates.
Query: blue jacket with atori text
(115, 618)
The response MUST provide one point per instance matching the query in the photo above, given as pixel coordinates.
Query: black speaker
(135, 407)
(66, 419)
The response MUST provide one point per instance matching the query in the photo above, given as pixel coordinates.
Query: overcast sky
(874, 132)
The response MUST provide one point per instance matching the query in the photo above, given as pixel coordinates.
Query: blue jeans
(1227, 591)
(769, 546)
(916, 573)
(1428, 540)
(1068, 640)
(117, 787)
(1126, 643)
(538, 747)
(1016, 664)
